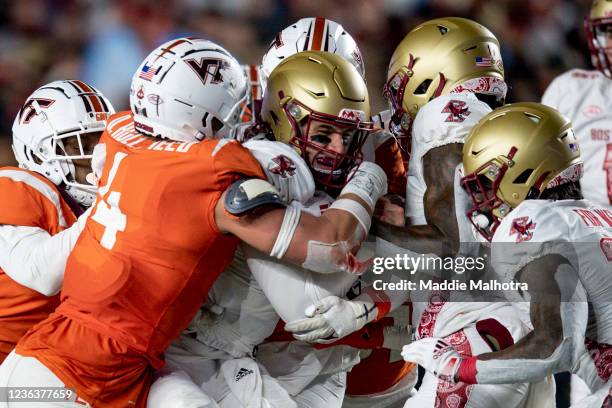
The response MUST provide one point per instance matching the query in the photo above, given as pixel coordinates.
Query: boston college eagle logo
(523, 227)
(28, 111)
(283, 166)
(208, 67)
(458, 111)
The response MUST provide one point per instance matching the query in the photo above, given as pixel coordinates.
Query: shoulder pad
(534, 221)
(448, 119)
(284, 168)
(247, 194)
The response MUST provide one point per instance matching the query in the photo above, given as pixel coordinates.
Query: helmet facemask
(393, 92)
(488, 208)
(311, 132)
(69, 153)
(599, 34)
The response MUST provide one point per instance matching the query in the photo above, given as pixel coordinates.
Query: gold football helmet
(441, 56)
(514, 153)
(598, 26)
(315, 88)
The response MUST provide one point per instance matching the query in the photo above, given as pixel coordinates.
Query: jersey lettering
(600, 135)
(591, 219)
(171, 146)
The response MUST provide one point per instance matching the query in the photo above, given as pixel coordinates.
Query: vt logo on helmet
(188, 89)
(318, 102)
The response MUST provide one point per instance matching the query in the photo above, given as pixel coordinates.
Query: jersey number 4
(107, 211)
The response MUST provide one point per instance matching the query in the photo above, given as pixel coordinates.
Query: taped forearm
(34, 258)
(498, 371)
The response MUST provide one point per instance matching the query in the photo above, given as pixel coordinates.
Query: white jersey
(585, 98)
(445, 120)
(582, 233)
(247, 299)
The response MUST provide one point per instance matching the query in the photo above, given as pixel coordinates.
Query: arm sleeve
(34, 258)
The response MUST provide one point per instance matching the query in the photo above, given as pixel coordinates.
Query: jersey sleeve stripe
(41, 187)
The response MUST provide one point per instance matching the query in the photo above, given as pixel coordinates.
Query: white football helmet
(187, 89)
(52, 114)
(311, 34)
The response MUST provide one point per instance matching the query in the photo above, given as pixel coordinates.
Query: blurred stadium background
(103, 41)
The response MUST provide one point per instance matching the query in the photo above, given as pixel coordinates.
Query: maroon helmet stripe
(84, 86)
(95, 101)
(317, 36)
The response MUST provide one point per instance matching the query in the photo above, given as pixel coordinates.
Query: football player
(583, 96)
(321, 34)
(53, 137)
(522, 165)
(322, 128)
(171, 207)
(445, 75)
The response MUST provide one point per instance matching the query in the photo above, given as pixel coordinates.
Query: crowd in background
(103, 41)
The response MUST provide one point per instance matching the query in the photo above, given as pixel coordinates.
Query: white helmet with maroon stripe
(55, 115)
(311, 34)
(188, 89)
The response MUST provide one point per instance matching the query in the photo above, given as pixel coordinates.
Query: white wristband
(285, 234)
(356, 209)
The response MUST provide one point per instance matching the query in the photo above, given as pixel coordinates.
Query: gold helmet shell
(317, 86)
(322, 82)
(599, 16)
(438, 56)
(515, 153)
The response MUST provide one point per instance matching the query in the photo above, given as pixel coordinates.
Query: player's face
(82, 167)
(326, 136)
(603, 33)
(482, 193)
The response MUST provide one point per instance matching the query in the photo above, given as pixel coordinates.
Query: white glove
(332, 318)
(369, 182)
(434, 355)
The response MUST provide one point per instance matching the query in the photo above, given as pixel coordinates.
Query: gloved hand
(332, 318)
(434, 355)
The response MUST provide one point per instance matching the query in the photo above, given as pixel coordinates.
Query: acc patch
(246, 194)
(523, 227)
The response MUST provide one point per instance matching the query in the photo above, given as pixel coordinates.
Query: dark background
(103, 41)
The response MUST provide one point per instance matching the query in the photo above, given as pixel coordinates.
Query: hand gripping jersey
(30, 200)
(143, 265)
(581, 233)
(584, 97)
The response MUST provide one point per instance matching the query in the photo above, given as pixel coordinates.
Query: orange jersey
(142, 266)
(30, 200)
(388, 367)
